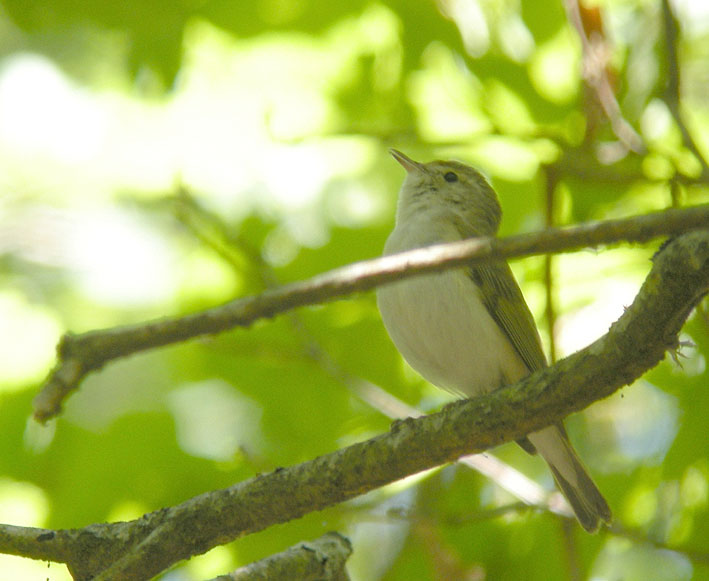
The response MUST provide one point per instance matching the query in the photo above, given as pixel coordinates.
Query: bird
(469, 330)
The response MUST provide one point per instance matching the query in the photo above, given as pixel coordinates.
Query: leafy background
(161, 157)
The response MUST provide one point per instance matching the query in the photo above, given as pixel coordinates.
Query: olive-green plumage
(469, 330)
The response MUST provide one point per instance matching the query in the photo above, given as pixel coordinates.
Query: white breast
(443, 330)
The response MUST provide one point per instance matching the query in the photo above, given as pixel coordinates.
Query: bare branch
(673, 89)
(595, 61)
(81, 354)
(634, 344)
(320, 560)
(642, 537)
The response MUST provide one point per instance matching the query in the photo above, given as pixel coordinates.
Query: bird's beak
(406, 162)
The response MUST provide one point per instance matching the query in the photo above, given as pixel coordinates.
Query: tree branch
(595, 73)
(320, 560)
(81, 354)
(673, 89)
(634, 344)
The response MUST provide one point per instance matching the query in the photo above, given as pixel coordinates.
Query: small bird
(469, 330)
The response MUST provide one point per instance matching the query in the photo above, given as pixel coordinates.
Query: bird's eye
(450, 177)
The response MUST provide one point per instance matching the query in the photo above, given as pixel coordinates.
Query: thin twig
(550, 310)
(674, 86)
(596, 76)
(82, 354)
(639, 536)
(571, 550)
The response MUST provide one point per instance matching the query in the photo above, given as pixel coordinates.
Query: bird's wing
(504, 301)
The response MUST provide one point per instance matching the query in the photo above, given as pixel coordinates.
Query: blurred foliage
(161, 157)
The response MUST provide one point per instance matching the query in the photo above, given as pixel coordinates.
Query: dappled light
(161, 159)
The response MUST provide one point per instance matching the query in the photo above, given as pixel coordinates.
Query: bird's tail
(587, 502)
